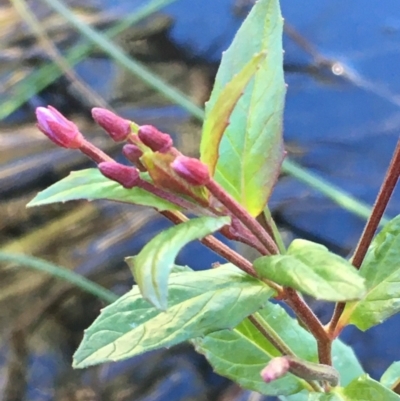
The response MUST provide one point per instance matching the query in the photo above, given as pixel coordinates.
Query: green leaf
(180, 269)
(199, 303)
(242, 353)
(345, 361)
(217, 116)
(307, 396)
(381, 269)
(361, 389)
(151, 268)
(251, 150)
(366, 389)
(311, 269)
(391, 377)
(90, 184)
(301, 396)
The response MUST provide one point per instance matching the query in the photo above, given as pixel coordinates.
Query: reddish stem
(223, 250)
(280, 346)
(170, 197)
(308, 318)
(94, 153)
(241, 213)
(382, 200)
(215, 245)
(378, 209)
(231, 256)
(237, 232)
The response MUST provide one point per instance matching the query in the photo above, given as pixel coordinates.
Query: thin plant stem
(237, 232)
(242, 214)
(60, 272)
(275, 231)
(266, 330)
(382, 200)
(94, 153)
(214, 244)
(270, 334)
(250, 241)
(223, 250)
(170, 197)
(308, 318)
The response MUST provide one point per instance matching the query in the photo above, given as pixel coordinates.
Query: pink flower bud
(117, 127)
(276, 368)
(127, 176)
(192, 170)
(155, 139)
(57, 128)
(132, 153)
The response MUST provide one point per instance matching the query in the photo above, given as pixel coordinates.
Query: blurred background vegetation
(154, 61)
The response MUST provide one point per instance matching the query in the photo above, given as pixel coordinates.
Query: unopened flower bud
(279, 366)
(155, 139)
(276, 368)
(59, 129)
(127, 176)
(132, 153)
(192, 170)
(117, 127)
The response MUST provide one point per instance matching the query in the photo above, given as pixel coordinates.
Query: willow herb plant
(226, 311)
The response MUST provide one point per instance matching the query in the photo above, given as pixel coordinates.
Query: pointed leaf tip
(151, 268)
(90, 184)
(218, 111)
(131, 326)
(246, 157)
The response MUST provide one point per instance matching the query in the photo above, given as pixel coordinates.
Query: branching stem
(170, 197)
(243, 215)
(276, 341)
(223, 250)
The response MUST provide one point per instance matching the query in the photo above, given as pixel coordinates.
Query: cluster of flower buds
(182, 180)
(140, 140)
